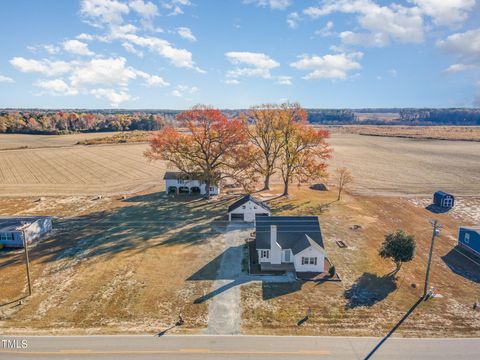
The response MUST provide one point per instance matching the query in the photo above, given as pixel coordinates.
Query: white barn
(290, 243)
(179, 183)
(14, 229)
(247, 208)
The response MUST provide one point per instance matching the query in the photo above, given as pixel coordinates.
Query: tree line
(64, 122)
(252, 147)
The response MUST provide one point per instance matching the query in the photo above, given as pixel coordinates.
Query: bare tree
(344, 178)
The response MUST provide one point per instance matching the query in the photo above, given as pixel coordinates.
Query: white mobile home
(14, 229)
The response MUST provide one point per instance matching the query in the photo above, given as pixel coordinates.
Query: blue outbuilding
(443, 199)
(469, 238)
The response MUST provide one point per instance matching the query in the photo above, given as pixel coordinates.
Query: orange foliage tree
(213, 147)
(304, 148)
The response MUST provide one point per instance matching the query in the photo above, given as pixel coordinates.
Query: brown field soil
(16, 141)
(459, 133)
(78, 170)
(370, 300)
(112, 266)
(380, 165)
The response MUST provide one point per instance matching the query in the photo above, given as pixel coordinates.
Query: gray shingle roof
(293, 232)
(246, 199)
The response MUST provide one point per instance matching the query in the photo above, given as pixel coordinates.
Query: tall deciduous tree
(344, 178)
(262, 124)
(211, 149)
(304, 149)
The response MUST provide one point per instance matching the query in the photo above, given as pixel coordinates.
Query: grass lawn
(369, 300)
(113, 266)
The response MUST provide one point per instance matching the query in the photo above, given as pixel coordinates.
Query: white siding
(191, 183)
(249, 210)
(310, 252)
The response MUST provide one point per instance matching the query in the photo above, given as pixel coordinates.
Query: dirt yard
(370, 300)
(113, 266)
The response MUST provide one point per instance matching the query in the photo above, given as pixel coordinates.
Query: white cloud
(273, 4)
(232, 82)
(329, 66)
(103, 12)
(51, 49)
(110, 71)
(455, 68)
(250, 64)
(57, 87)
(178, 57)
(382, 23)
(326, 30)
(175, 6)
(446, 12)
(284, 80)
(186, 34)
(131, 49)
(77, 47)
(155, 80)
(465, 45)
(4, 78)
(184, 90)
(147, 10)
(44, 66)
(115, 97)
(292, 20)
(84, 36)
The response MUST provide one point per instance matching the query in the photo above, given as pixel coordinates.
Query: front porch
(277, 267)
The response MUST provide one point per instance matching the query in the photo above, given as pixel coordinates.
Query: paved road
(236, 348)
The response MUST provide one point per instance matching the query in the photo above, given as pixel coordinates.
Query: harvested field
(77, 170)
(370, 300)
(397, 166)
(458, 133)
(17, 141)
(380, 165)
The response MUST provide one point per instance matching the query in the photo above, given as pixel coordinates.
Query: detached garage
(247, 208)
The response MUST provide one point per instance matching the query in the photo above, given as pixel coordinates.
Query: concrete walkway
(224, 311)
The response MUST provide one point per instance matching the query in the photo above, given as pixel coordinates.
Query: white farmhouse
(247, 208)
(289, 243)
(180, 183)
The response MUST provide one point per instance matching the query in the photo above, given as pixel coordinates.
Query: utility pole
(27, 262)
(436, 227)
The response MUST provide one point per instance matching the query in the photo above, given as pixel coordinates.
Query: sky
(174, 54)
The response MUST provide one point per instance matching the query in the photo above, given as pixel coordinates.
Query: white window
(309, 261)
(244, 207)
(181, 181)
(264, 254)
(212, 188)
(7, 236)
(467, 238)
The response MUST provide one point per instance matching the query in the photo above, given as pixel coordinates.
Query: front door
(287, 256)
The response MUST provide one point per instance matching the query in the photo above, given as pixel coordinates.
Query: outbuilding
(247, 208)
(469, 238)
(443, 199)
(179, 183)
(14, 229)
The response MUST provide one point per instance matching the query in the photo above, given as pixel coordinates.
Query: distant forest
(33, 121)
